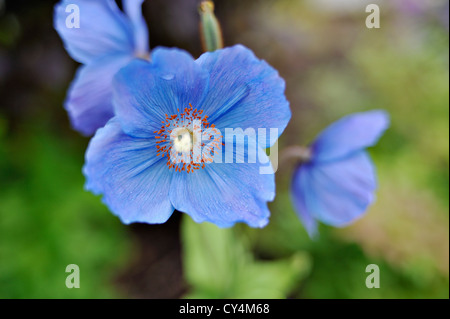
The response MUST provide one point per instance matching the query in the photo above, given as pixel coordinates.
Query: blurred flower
(417, 7)
(132, 160)
(105, 41)
(337, 184)
(425, 9)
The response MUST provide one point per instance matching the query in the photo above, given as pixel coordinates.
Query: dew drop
(168, 77)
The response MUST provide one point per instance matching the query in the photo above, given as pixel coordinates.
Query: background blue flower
(106, 40)
(336, 186)
(234, 90)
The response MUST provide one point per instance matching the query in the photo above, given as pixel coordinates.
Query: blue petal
(245, 91)
(133, 180)
(145, 92)
(103, 30)
(225, 193)
(350, 134)
(133, 9)
(299, 191)
(336, 193)
(89, 100)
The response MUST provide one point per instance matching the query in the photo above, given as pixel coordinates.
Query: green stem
(210, 31)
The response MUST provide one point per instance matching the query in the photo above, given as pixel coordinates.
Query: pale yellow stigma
(184, 141)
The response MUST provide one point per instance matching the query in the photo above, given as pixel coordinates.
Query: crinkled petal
(89, 99)
(103, 29)
(144, 92)
(245, 91)
(225, 193)
(336, 193)
(133, 180)
(133, 9)
(350, 134)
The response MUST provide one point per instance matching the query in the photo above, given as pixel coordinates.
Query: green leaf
(218, 264)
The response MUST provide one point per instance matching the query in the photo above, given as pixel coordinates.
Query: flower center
(181, 138)
(184, 141)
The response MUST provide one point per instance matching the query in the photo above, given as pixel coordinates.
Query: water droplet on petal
(168, 77)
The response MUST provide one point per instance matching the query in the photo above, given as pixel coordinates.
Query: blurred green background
(333, 66)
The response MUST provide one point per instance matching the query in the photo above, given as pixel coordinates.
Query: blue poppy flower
(337, 184)
(131, 160)
(105, 40)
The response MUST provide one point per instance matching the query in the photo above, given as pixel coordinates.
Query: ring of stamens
(180, 140)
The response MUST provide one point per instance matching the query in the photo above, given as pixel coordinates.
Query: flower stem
(296, 154)
(210, 31)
